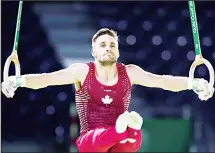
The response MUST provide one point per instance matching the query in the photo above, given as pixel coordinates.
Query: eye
(112, 45)
(103, 45)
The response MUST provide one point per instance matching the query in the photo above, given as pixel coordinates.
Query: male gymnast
(103, 92)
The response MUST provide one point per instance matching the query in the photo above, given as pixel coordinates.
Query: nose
(108, 49)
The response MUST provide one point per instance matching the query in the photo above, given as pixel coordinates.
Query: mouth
(109, 54)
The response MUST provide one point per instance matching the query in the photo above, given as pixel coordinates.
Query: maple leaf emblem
(107, 100)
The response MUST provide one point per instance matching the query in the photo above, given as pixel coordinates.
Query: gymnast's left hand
(202, 88)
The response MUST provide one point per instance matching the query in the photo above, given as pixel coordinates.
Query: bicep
(69, 75)
(140, 77)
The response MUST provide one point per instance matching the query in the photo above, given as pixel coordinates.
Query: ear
(117, 54)
(93, 52)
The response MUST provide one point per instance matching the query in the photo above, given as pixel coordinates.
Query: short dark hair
(105, 31)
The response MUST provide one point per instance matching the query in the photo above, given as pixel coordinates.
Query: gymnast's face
(105, 50)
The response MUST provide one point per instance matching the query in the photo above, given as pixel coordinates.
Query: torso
(99, 105)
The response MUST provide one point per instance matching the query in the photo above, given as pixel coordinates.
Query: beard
(107, 60)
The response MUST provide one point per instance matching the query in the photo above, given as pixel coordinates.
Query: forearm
(35, 81)
(174, 83)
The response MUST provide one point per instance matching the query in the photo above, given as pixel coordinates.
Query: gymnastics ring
(208, 65)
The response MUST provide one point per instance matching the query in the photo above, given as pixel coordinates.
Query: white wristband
(20, 81)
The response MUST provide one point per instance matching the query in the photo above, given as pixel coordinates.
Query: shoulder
(128, 66)
(132, 68)
(80, 70)
(134, 72)
(82, 67)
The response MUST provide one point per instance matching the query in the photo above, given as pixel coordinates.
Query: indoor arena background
(156, 36)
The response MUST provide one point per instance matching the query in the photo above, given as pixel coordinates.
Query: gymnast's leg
(102, 139)
(134, 140)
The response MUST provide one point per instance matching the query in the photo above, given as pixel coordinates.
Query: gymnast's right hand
(9, 87)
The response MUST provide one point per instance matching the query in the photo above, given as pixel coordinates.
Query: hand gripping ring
(210, 68)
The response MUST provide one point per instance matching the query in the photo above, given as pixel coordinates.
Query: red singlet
(100, 105)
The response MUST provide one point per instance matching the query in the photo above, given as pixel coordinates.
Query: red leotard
(98, 107)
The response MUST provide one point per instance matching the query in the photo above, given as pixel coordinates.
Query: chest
(106, 82)
(108, 95)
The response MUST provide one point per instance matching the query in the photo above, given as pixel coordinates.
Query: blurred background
(156, 36)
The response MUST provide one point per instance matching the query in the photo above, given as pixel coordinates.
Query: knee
(135, 120)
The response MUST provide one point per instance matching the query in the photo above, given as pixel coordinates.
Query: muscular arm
(72, 74)
(167, 82)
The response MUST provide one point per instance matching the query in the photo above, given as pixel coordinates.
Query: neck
(106, 72)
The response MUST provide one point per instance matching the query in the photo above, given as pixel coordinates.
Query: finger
(211, 92)
(12, 84)
(211, 89)
(202, 96)
(13, 89)
(4, 91)
(12, 94)
(134, 115)
(8, 92)
(205, 97)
